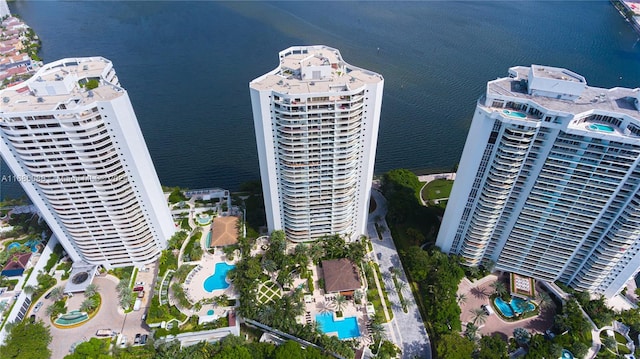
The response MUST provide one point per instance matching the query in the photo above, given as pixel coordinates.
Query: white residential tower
(71, 137)
(316, 121)
(548, 185)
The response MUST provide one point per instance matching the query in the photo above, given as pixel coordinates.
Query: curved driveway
(406, 329)
(108, 317)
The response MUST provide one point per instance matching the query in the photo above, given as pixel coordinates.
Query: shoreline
(632, 16)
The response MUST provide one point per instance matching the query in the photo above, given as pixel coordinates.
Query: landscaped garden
(258, 276)
(58, 312)
(269, 292)
(436, 189)
(613, 345)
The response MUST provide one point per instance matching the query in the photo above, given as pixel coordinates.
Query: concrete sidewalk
(407, 329)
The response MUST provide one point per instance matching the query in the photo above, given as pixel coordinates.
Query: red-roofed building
(16, 265)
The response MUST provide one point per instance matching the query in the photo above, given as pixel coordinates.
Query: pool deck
(478, 293)
(195, 290)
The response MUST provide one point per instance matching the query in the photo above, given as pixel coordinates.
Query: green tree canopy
(27, 340)
(492, 347)
(453, 346)
(93, 349)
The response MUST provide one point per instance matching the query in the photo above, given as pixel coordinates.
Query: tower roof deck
(58, 83)
(615, 100)
(314, 69)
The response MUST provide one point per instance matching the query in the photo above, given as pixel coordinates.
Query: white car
(139, 283)
(37, 307)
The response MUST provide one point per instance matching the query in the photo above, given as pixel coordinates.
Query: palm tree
(270, 266)
(402, 286)
(376, 330)
(471, 331)
(87, 305)
(28, 289)
(499, 288)
(316, 251)
(125, 299)
(57, 293)
(221, 300)
(357, 296)
(473, 271)
(91, 290)
(479, 315)
(325, 307)
(341, 301)
(266, 314)
(122, 284)
(461, 299)
(544, 300)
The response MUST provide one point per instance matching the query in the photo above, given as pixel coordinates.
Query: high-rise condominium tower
(70, 136)
(316, 120)
(549, 181)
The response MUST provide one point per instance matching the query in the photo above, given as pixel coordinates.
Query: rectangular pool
(346, 328)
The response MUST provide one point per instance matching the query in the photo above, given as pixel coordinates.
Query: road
(406, 329)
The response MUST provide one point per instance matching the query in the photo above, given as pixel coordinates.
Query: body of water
(187, 65)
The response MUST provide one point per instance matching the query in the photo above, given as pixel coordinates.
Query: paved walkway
(435, 176)
(407, 329)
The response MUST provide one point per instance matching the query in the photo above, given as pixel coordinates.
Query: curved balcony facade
(82, 160)
(316, 120)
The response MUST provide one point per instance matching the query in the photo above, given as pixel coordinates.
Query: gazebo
(340, 276)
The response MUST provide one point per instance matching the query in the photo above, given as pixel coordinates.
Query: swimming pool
(218, 280)
(600, 127)
(204, 219)
(510, 309)
(33, 244)
(208, 240)
(515, 114)
(346, 328)
(210, 312)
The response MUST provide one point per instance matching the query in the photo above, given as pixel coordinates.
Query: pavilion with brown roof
(224, 231)
(340, 275)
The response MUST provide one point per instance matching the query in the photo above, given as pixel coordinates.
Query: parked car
(137, 339)
(48, 295)
(123, 341)
(104, 333)
(37, 307)
(143, 339)
(141, 294)
(32, 318)
(487, 309)
(137, 289)
(139, 283)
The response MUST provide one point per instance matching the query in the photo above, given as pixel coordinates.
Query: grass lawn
(268, 292)
(373, 296)
(439, 188)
